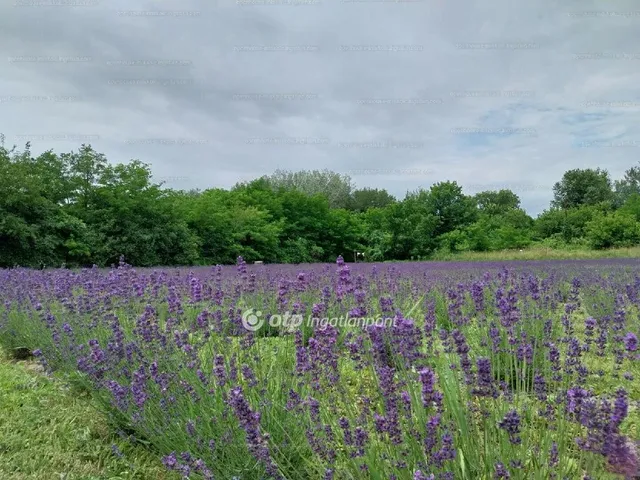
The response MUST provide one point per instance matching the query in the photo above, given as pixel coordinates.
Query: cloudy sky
(499, 94)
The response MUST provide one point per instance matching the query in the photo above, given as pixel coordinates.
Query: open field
(520, 370)
(542, 253)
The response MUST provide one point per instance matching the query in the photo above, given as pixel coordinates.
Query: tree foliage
(496, 202)
(582, 187)
(335, 186)
(628, 185)
(78, 209)
(365, 198)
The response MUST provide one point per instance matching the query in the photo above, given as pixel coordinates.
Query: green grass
(48, 431)
(540, 253)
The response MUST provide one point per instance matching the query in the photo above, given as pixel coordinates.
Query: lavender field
(406, 371)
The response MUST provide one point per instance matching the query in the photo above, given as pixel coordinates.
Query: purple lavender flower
(631, 342)
(323, 356)
(138, 386)
(219, 370)
(496, 339)
(576, 397)
(462, 349)
(446, 452)
(390, 423)
(554, 359)
(589, 327)
(250, 423)
(170, 461)
(406, 339)
(553, 455)
(428, 379)
(501, 472)
(303, 363)
(248, 375)
(116, 451)
(477, 294)
(540, 387)
(485, 386)
(344, 424)
(621, 408)
(431, 438)
(314, 409)
(511, 424)
(418, 475)
(361, 439)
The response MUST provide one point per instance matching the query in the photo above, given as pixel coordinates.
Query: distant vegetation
(77, 209)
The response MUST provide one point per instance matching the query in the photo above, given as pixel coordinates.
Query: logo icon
(252, 321)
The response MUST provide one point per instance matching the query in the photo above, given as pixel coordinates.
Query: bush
(619, 229)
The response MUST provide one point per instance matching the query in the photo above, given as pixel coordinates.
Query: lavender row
(485, 370)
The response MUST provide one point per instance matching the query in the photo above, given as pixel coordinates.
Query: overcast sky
(400, 95)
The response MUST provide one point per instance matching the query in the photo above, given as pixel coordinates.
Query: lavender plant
(519, 371)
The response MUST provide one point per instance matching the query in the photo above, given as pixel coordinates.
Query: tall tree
(84, 168)
(377, 237)
(582, 187)
(632, 206)
(413, 225)
(628, 185)
(131, 216)
(453, 208)
(34, 229)
(496, 202)
(363, 199)
(334, 186)
(228, 227)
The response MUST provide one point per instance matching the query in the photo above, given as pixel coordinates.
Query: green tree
(227, 228)
(344, 233)
(83, 170)
(365, 198)
(334, 186)
(451, 207)
(512, 229)
(496, 202)
(413, 226)
(34, 229)
(377, 237)
(22, 209)
(76, 208)
(306, 217)
(582, 187)
(131, 216)
(632, 206)
(627, 186)
(569, 225)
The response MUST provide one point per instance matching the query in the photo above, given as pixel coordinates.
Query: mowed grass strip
(538, 253)
(49, 432)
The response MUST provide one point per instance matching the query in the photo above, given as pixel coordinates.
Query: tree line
(77, 209)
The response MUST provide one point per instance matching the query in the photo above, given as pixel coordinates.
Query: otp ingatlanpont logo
(252, 321)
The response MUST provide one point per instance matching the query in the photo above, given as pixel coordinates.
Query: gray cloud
(208, 92)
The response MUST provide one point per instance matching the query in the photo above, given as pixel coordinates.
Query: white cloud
(301, 49)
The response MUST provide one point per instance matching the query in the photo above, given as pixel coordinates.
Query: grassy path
(540, 253)
(48, 432)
